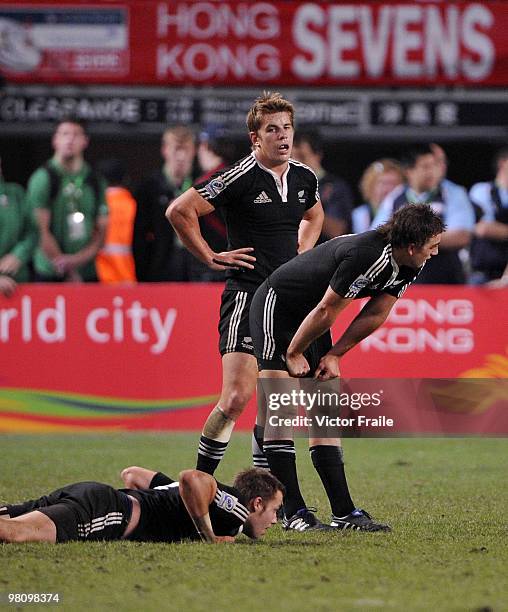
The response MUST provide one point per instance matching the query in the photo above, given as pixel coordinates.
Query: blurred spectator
(215, 152)
(18, 236)
(425, 183)
(70, 208)
(378, 180)
(336, 195)
(115, 263)
(489, 251)
(158, 254)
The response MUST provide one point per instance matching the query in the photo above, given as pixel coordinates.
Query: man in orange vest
(115, 263)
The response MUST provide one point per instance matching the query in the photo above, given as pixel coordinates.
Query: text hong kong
(206, 41)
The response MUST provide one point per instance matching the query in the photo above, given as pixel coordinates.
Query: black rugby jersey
(261, 211)
(354, 266)
(164, 517)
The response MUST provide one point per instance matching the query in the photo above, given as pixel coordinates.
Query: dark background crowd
(105, 220)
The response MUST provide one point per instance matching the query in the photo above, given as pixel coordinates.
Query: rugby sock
(329, 464)
(210, 454)
(281, 458)
(214, 440)
(14, 510)
(160, 480)
(258, 457)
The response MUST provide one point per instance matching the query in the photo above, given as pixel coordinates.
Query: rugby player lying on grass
(196, 507)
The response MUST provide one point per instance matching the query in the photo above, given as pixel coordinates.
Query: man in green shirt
(70, 209)
(18, 236)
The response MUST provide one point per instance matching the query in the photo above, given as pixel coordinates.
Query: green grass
(446, 500)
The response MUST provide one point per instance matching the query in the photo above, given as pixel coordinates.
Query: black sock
(281, 458)
(210, 453)
(258, 457)
(330, 466)
(160, 480)
(14, 510)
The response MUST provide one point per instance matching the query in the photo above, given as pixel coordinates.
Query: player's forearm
(186, 226)
(308, 235)
(316, 323)
(197, 491)
(204, 528)
(360, 328)
(309, 229)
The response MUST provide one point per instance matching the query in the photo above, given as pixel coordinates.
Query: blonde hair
(374, 171)
(267, 104)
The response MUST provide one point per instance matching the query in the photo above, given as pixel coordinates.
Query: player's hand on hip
(297, 364)
(237, 259)
(328, 368)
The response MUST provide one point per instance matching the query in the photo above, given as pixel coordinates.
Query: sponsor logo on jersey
(227, 501)
(262, 198)
(215, 187)
(360, 283)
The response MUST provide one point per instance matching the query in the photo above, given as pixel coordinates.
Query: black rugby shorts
(87, 511)
(273, 327)
(234, 330)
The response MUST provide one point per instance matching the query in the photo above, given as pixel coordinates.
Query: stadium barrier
(95, 357)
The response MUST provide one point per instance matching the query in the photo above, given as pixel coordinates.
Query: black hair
(71, 118)
(500, 156)
(412, 224)
(411, 157)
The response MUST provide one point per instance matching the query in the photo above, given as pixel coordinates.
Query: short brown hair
(268, 104)
(256, 482)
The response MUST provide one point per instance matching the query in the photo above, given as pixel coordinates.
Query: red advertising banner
(81, 357)
(388, 43)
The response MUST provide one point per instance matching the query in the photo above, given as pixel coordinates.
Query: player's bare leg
(239, 376)
(32, 527)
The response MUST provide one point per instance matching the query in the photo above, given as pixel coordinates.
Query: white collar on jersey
(281, 183)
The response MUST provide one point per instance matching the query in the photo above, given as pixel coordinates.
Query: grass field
(447, 501)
